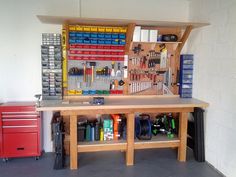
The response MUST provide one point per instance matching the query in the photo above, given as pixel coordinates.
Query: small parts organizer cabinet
(20, 127)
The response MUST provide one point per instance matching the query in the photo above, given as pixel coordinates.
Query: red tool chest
(20, 129)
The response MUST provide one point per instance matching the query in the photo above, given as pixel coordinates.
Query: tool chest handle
(26, 116)
(5, 120)
(19, 126)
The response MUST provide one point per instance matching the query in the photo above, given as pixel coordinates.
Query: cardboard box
(153, 35)
(144, 35)
(137, 34)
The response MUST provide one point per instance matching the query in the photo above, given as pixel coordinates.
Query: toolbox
(20, 129)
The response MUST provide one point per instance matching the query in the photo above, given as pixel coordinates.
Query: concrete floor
(148, 163)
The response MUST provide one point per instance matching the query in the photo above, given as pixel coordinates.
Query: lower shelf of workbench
(160, 141)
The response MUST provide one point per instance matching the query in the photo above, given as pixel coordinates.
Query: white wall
(20, 34)
(214, 48)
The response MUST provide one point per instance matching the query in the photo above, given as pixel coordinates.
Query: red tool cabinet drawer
(20, 144)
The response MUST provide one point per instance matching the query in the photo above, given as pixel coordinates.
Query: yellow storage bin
(101, 29)
(123, 30)
(108, 29)
(78, 92)
(79, 28)
(87, 28)
(94, 28)
(71, 92)
(72, 28)
(115, 29)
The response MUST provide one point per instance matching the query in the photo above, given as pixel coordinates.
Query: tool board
(96, 51)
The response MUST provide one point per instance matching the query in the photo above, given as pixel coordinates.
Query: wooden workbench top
(121, 103)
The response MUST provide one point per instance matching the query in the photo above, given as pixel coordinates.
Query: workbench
(129, 105)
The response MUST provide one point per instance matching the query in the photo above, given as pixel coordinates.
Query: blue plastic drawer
(186, 86)
(185, 91)
(115, 42)
(71, 41)
(122, 42)
(186, 56)
(107, 36)
(72, 34)
(114, 36)
(186, 95)
(101, 35)
(86, 41)
(186, 81)
(94, 35)
(80, 41)
(108, 42)
(86, 35)
(122, 36)
(93, 41)
(187, 66)
(188, 62)
(79, 35)
(101, 42)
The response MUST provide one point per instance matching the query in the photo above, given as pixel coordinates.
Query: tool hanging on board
(113, 69)
(118, 72)
(92, 64)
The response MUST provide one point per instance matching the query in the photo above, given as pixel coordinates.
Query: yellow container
(87, 28)
(71, 92)
(79, 28)
(108, 29)
(71, 27)
(94, 28)
(115, 29)
(123, 29)
(101, 29)
(78, 92)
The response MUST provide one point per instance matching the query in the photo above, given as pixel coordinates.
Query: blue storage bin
(72, 34)
(80, 41)
(187, 67)
(122, 36)
(101, 35)
(92, 92)
(107, 35)
(122, 42)
(85, 92)
(86, 35)
(80, 35)
(188, 62)
(101, 42)
(72, 41)
(115, 42)
(94, 35)
(114, 36)
(185, 91)
(108, 42)
(86, 41)
(93, 41)
(186, 95)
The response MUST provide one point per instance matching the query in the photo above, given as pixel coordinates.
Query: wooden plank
(123, 104)
(156, 144)
(183, 125)
(130, 140)
(102, 147)
(73, 143)
(112, 22)
(129, 37)
(184, 39)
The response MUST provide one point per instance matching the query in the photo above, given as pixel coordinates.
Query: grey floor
(148, 163)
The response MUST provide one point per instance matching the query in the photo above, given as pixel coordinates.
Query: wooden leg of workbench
(130, 140)
(183, 126)
(73, 143)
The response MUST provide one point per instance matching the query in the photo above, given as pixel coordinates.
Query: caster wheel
(36, 158)
(5, 160)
